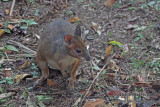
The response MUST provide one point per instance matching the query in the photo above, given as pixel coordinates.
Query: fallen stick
(27, 50)
(5, 95)
(96, 78)
(12, 7)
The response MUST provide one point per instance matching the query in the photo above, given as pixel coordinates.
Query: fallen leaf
(65, 5)
(111, 75)
(116, 92)
(108, 50)
(118, 56)
(2, 31)
(78, 101)
(141, 84)
(7, 11)
(75, 19)
(109, 3)
(89, 93)
(50, 83)
(131, 101)
(96, 27)
(5, 95)
(7, 72)
(18, 78)
(114, 67)
(131, 27)
(11, 27)
(116, 43)
(140, 78)
(94, 103)
(24, 65)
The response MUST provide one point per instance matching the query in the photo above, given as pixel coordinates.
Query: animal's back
(57, 30)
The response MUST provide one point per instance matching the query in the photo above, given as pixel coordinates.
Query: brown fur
(58, 49)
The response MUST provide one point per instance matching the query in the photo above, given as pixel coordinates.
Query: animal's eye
(78, 51)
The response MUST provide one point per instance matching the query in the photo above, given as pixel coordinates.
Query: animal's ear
(78, 31)
(68, 39)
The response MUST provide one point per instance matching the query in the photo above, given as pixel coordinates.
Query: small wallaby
(61, 47)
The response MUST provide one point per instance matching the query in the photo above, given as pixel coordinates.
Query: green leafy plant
(7, 80)
(24, 95)
(69, 12)
(11, 47)
(42, 97)
(154, 64)
(138, 64)
(7, 30)
(27, 23)
(139, 36)
(1, 90)
(116, 43)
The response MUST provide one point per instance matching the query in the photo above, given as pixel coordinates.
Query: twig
(12, 7)
(22, 55)
(95, 79)
(27, 50)
(26, 10)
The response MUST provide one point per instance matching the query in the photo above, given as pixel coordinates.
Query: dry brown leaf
(114, 67)
(96, 27)
(131, 101)
(94, 103)
(65, 5)
(7, 72)
(89, 93)
(10, 27)
(50, 83)
(109, 3)
(2, 31)
(18, 78)
(141, 84)
(74, 19)
(108, 50)
(24, 65)
(7, 11)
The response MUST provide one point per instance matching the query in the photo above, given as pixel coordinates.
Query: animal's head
(75, 45)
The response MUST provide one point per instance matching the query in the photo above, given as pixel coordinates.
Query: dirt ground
(133, 23)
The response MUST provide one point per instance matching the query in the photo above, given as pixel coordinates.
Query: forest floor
(124, 41)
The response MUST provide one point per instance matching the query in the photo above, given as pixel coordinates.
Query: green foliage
(1, 90)
(42, 97)
(24, 95)
(139, 36)
(5, 0)
(7, 30)
(116, 43)
(79, 1)
(154, 64)
(69, 13)
(11, 47)
(154, 4)
(36, 13)
(7, 80)
(137, 63)
(31, 1)
(3, 100)
(27, 23)
(109, 34)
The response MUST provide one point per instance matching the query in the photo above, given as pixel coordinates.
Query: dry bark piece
(50, 83)
(109, 3)
(74, 19)
(94, 103)
(24, 65)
